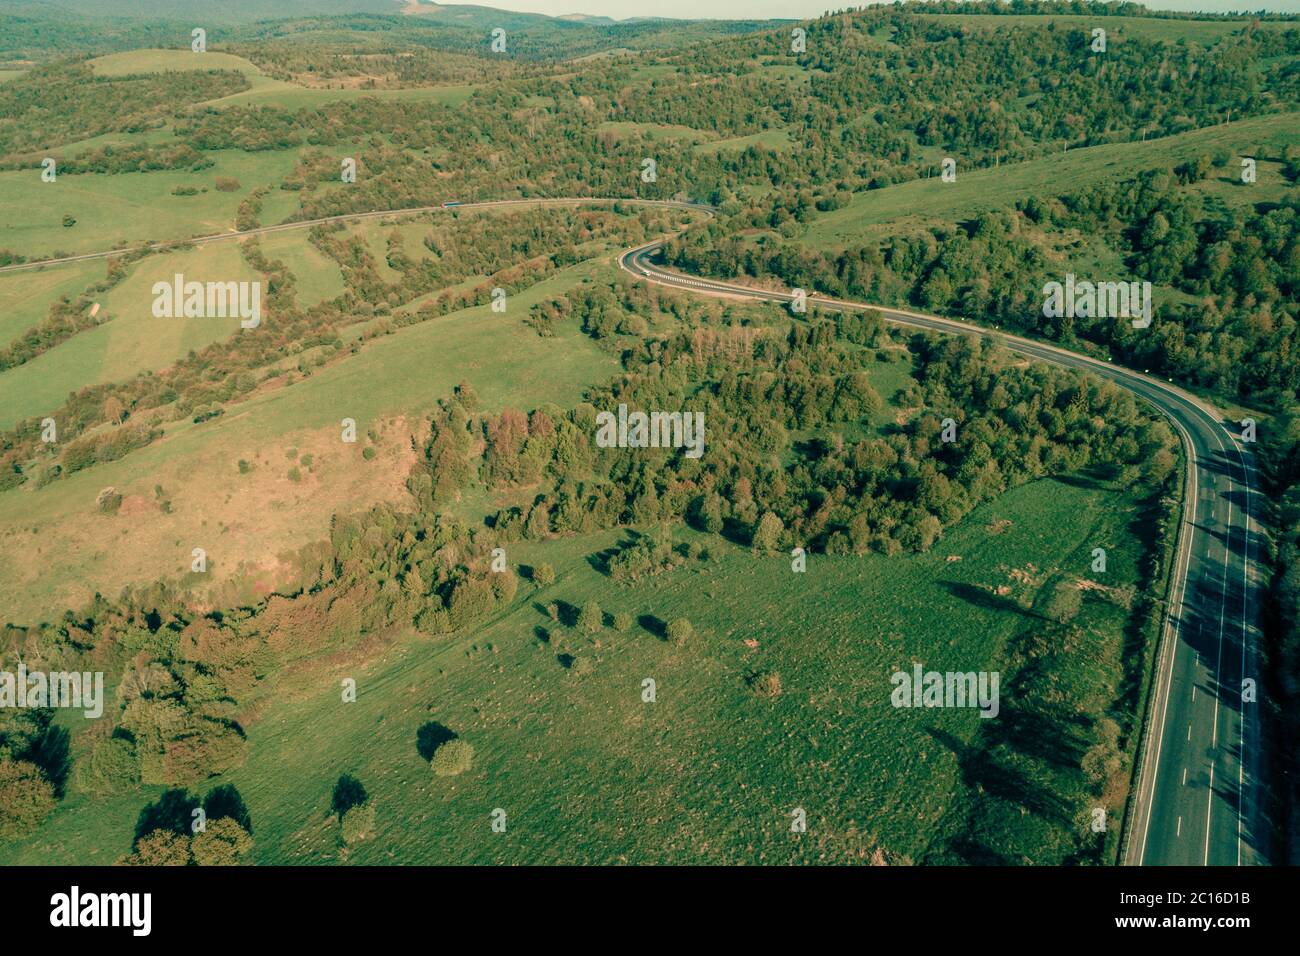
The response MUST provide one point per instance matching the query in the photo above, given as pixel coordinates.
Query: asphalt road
(1198, 800)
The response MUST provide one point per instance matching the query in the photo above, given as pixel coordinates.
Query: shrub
(112, 766)
(543, 574)
(767, 536)
(680, 631)
(590, 618)
(368, 453)
(1065, 602)
(358, 823)
(109, 500)
(504, 586)
(26, 798)
(766, 684)
(223, 842)
(582, 666)
(244, 467)
(622, 621)
(160, 848)
(227, 185)
(295, 475)
(452, 758)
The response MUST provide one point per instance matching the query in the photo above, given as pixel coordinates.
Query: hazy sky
(798, 9)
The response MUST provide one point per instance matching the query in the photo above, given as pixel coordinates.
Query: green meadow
(980, 190)
(587, 772)
(127, 209)
(769, 138)
(317, 277)
(26, 297)
(132, 340)
(266, 91)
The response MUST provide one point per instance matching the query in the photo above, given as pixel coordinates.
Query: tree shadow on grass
(54, 757)
(225, 801)
(654, 625)
(986, 599)
(348, 793)
(173, 812)
(431, 736)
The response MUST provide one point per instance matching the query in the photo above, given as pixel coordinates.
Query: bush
(109, 500)
(112, 766)
(295, 475)
(368, 453)
(452, 758)
(26, 798)
(358, 823)
(680, 631)
(582, 666)
(160, 848)
(766, 684)
(767, 535)
(543, 574)
(590, 618)
(1065, 602)
(227, 185)
(223, 842)
(244, 467)
(622, 621)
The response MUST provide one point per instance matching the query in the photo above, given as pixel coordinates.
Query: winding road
(1199, 795)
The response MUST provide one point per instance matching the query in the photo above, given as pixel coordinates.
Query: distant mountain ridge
(249, 11)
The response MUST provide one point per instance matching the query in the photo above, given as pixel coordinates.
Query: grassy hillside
(710, 772)
(978, 190)
(132, 341)
(128, 208)
(254, 518)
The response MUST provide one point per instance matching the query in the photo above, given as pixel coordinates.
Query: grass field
(164, 61)
(132, 341)
(263, 90)
(266, 91)
(317, 276)
(979, 190)
(128, 208)
(588, 773)
(26, 297)
(770, 138)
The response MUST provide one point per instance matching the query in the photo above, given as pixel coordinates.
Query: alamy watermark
(75, 690)
(1117, 300)
(655, 430)
(923, 688)
(130, 910)
(208, 300)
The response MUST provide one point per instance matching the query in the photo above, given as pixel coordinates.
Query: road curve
(1198, 798)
